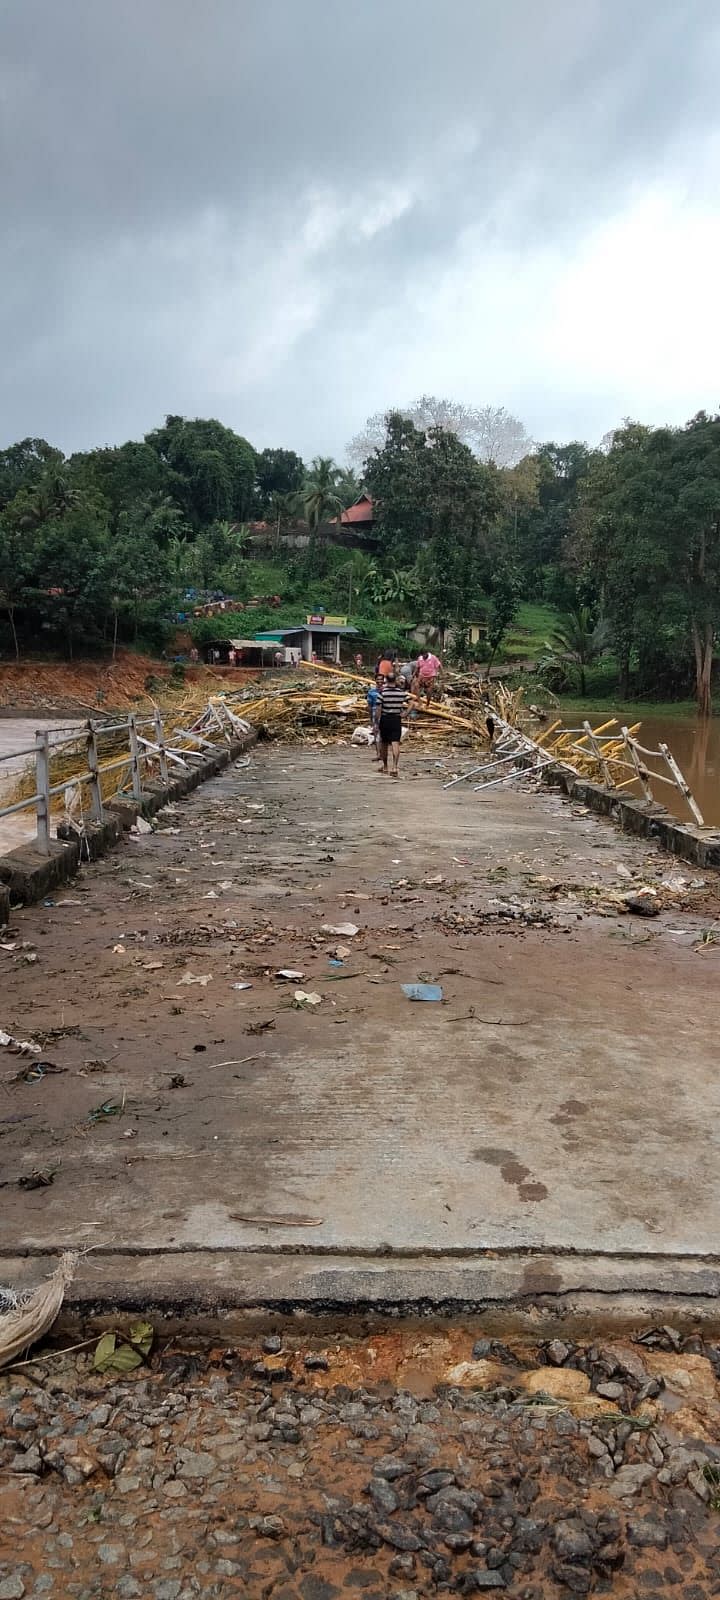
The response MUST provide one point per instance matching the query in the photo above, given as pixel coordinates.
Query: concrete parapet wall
(646, 818)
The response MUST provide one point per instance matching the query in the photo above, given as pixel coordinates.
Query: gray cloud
(290, 215)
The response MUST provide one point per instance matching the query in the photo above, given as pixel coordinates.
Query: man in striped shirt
(393, 699)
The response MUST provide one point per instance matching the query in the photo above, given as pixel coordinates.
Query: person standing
(393, 698)
(373, 700)
(428, 669)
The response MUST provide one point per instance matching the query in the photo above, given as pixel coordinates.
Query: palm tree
(579, 640)
(349, 486)
(282, 508)
(321, 495)
(54, 495)
(159, 516)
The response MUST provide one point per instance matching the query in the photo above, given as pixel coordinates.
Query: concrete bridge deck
(551, 1126)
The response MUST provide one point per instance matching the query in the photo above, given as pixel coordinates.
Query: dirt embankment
(59, 687)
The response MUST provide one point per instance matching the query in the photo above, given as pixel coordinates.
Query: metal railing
(144, 757)
(611, 754)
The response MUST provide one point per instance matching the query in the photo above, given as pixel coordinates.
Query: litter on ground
(422, 991)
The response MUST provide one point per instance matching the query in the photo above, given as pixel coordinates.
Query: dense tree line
(102, 545)
(623, 541)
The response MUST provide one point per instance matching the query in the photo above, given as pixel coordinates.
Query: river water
(696, 747)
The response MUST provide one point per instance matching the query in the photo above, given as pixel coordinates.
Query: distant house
(359, 515)
(429, 637)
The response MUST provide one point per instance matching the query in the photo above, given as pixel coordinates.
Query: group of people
(395, 684)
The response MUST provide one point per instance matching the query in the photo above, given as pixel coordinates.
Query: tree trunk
(583, 682)
(624, 675)
(703, 640)
(11, 616)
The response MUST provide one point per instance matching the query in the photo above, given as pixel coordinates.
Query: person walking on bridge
(393, 698)
(427, 671)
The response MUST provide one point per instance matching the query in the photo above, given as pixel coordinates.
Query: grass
(528, 634)
(634, 710)
(267, 577)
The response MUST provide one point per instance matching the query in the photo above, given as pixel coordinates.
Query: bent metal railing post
(682, 785)
(641, 772)
(135, 759)
(42, 802)
(96, 804)
(160, 741)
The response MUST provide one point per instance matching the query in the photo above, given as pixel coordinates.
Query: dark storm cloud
(207, 207)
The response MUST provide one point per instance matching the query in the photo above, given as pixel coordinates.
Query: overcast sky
(292, 213)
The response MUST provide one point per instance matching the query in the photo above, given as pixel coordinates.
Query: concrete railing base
(645, 818)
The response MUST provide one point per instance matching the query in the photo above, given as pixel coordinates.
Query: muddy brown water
(695, 745)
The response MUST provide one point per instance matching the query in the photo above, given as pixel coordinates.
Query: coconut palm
(283, 507)
(321, 495)
(579, 640)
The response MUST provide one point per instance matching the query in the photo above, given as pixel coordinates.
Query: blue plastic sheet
(422, 991)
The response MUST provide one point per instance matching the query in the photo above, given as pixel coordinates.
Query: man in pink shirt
(427, 672)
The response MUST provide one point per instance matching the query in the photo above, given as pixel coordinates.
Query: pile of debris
(324, 699)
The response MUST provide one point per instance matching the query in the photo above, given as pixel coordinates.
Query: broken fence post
(597, 752)
(684, 788)
(641, 772)
(160, 740)
(42, 780)
(96, 805)
(134, 760)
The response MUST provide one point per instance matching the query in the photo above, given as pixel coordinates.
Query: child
(373, 700)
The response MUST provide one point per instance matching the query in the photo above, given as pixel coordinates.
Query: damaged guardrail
(84, 783)
(614, 754)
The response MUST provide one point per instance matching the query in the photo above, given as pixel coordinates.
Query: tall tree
(22, 465)
(277, 472)
(214, 468)
(125, 474)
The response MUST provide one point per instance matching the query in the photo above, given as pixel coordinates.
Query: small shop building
(318, 637)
